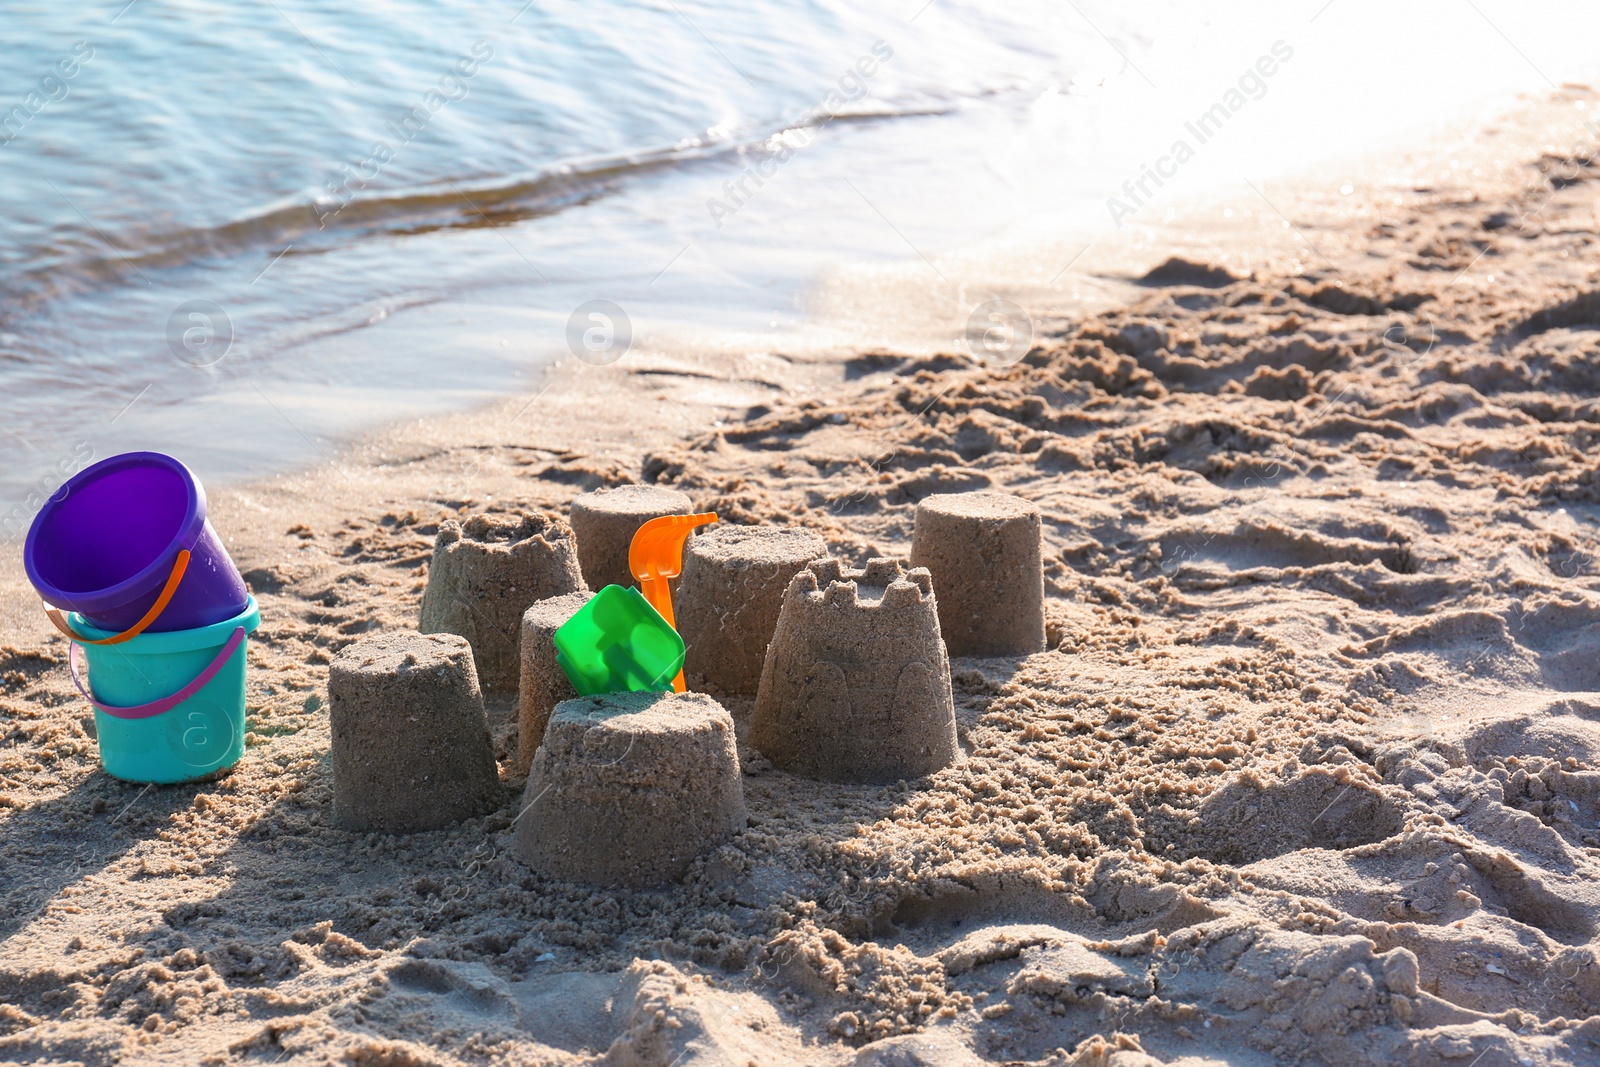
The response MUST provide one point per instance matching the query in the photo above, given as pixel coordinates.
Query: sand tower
(983, 552)
(485, 574)
(629, 788)
(857, 683)
(411, 746)
(544, 684)
(605, 521)
(729, 596)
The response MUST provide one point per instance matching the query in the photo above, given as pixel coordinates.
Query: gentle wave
(309, 226)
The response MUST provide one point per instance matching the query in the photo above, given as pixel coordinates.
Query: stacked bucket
(134, 575)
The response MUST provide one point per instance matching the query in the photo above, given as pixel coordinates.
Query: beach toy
(983, 552)
(618, 643)
(411, 749)
(544, 684)
(484, 575)
(126, 545)
(728, 600)
(857, 685)
(629, 788)
(656, 556)
(605, 521)
(168, 707)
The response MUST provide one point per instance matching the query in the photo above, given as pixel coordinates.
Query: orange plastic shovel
(656, 556)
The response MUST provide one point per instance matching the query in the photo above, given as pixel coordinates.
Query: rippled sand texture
(1308, 773)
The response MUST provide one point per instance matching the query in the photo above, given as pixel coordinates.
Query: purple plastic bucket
(105, 545)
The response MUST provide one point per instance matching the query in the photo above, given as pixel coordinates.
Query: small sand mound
(1248, 820)
(1180, 271)
(485, 573)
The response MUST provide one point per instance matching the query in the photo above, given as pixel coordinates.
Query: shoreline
(1319, 720)
(321, 378)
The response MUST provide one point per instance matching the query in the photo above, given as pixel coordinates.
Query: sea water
(244, 232)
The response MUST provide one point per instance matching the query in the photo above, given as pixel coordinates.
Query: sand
(983, 550)
(543, 683)
(1308, 773)
(856, 686)
(604, 522)
(728, 598)
(485, 574)
(629, 788)
(409, 738)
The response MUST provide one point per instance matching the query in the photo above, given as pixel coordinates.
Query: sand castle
(983, 552)
(411, 746)
(857, 683)
(485, 574)
(543, 684)
(605, 521)
(729, 597)
(628, 788)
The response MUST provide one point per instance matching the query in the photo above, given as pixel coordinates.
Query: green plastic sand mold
(618, 643)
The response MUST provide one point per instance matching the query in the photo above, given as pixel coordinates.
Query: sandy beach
(1307, 775)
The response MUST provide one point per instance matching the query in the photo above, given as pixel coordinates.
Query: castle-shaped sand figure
(856, 686)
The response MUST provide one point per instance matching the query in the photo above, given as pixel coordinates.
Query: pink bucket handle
(157, 707)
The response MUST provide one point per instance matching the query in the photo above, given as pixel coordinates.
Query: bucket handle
(157, 707)
(179, 565)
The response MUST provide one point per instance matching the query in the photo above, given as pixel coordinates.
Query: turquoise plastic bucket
(169, 707)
